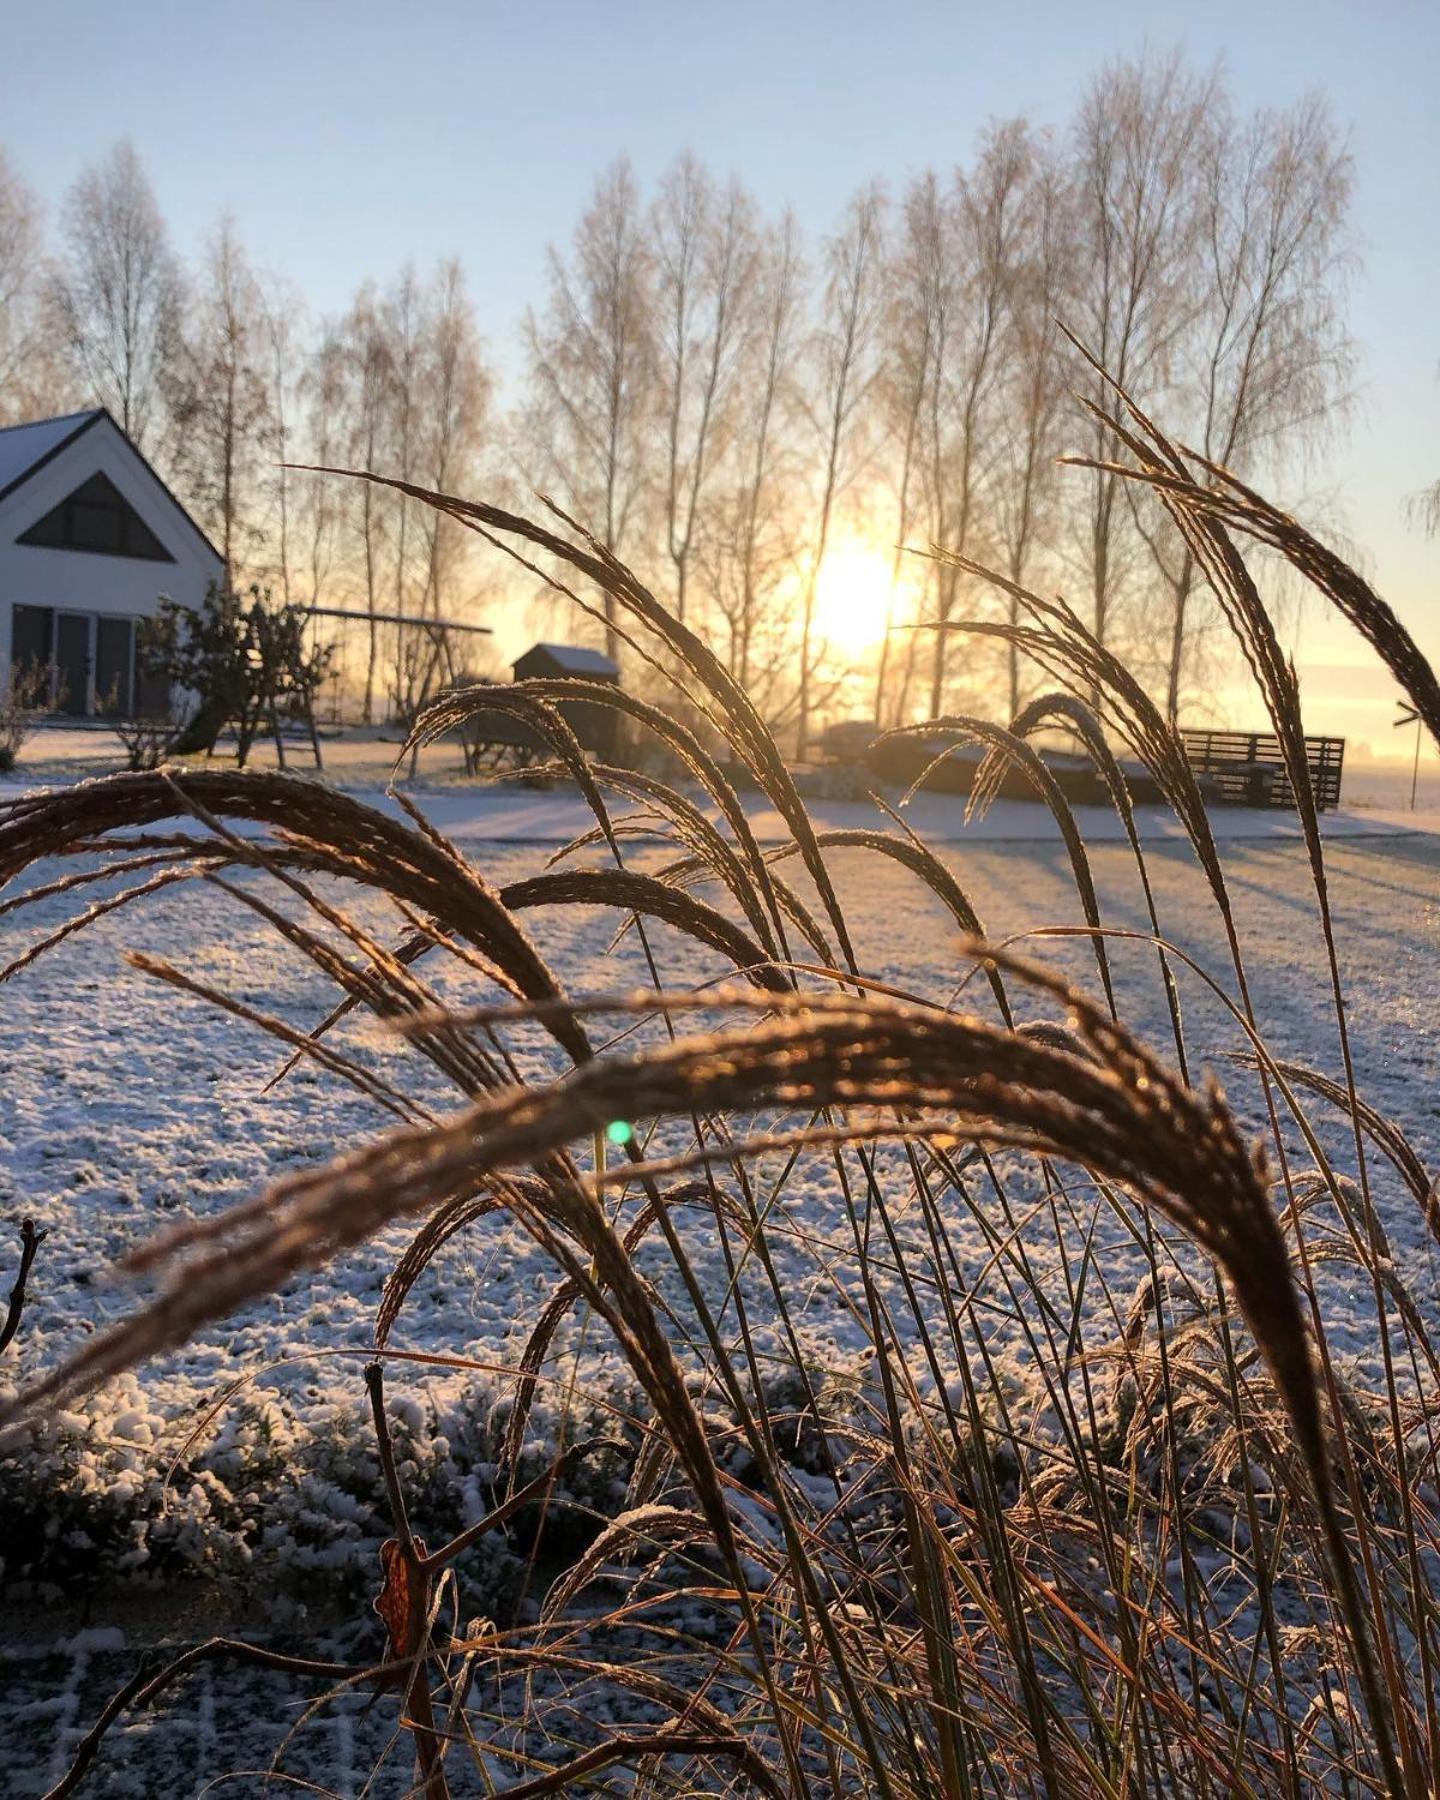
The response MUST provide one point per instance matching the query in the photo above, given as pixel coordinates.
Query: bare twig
(31, 1239)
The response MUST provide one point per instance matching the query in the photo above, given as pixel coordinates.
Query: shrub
(23, 697)
(245, 659)
(147, 742)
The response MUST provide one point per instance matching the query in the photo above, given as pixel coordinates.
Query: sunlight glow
(851, 595)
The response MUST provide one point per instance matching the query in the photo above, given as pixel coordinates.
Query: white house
(90, 539)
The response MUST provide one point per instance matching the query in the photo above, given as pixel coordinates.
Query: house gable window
(96, 517)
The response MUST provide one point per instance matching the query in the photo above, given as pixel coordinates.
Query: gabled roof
(574, 659)
(25, 449)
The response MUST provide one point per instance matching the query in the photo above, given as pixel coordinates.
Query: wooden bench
(1246, 768)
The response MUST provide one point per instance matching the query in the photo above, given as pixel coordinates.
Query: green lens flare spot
(620, 1131)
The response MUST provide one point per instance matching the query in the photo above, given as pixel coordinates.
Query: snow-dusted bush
(94, 1493)
(23, 696)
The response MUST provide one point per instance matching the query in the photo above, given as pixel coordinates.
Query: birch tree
(974, 338)
(219, 394)
(402, 327)
(913, 324)
(365, 378)
(1269, 362)
(283, 346)
(846, 365)
(1033, 396)
(452, 408)
(1136, 300)
(322, 398)
(455, 397)
(118, 293)
(756, 545)
(591, 357)
(30, 382)
(706, 250)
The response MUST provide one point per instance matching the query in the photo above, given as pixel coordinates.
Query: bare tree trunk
(1135, 145)
(1177, 645)
(913, 330)
(373, 649)
(854, 298)
(706, 262)
(779, 309)
(822, 539)
(591, 361)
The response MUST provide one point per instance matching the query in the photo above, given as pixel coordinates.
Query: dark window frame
(107, 625)
(86, 513)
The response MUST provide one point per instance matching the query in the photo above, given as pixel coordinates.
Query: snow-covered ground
(128, 1107)
(1375, 798)
(125, 1107)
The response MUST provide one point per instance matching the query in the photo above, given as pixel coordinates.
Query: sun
(852, 592)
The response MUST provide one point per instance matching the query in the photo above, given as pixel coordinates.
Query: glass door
(114, 661)
(73, 662)
(32, 643)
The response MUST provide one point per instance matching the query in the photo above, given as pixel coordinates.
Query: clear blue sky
(348, 137)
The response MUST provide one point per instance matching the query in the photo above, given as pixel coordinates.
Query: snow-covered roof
(574, 659)
(25, 447)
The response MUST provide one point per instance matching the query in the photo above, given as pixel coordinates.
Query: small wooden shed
(594, 725)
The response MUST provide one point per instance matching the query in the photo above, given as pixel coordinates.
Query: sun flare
(851, 595)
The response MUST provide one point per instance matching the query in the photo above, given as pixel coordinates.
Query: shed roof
(573, 659)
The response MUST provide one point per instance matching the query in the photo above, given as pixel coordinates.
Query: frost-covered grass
(861, 1350)
(149, 1108)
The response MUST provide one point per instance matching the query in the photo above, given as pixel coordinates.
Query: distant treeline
(718, 399)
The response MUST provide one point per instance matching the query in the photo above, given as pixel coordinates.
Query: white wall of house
(93, 584)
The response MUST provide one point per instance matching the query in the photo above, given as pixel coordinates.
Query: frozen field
(126, 1106)
(1375, 796)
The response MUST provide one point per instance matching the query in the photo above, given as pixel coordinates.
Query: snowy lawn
(127, 1107)
(1374, 798)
